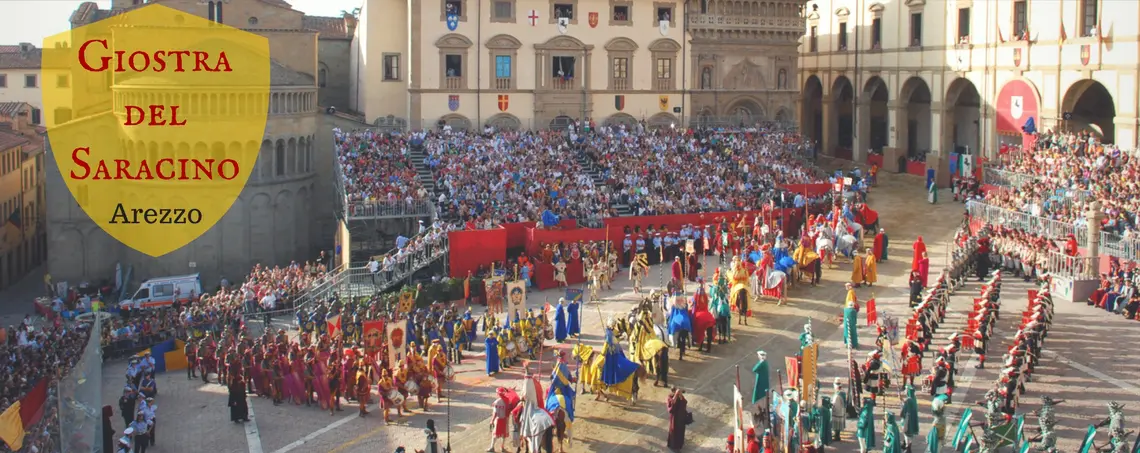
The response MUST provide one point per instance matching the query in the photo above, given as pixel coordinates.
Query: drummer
(389, 396)
(437, 363)
(400, 382)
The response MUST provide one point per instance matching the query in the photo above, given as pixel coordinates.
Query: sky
(32, 21)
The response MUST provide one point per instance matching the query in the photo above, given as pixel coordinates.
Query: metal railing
(80, 398)
(1071, 267)
(1123, 247)
(1005, 178)
(362, 210)
(1009, 218)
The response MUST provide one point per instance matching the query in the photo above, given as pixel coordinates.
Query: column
(1126, 127)
(830, 128)
(1093, 216)
(938, 158)
(896, 120)
(862, 142)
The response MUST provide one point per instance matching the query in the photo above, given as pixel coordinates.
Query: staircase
(595, 171)
(418, 155)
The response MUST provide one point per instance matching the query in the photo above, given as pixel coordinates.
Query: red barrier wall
(810, 190)
(875, 159)
(916, 168)
(471, 248)
(516, 233)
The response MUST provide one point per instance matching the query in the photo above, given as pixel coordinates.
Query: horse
(825, 248)
(590, 373)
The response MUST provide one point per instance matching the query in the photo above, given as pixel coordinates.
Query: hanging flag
(573, 295)
(872, 312)
(397, 342)
(1064, 36)
(1087, 444)
(516, 297)
(563, 24)
(334, 326)
(373, 336)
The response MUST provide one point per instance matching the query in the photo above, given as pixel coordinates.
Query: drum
(522, 346)
(433, 381)
(549, 334)
(449, 373)
(395, 397)
(412, 387)
(510, 347)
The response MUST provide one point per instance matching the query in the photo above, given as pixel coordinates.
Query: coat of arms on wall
(1017, 57)
(504, 102)
(1086, 54)
(453, 102)
(619, 102)
(593, 20)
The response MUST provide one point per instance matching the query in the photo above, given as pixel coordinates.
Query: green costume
(823, 422)
(932, 441)
(909, 413)
(760, 385)
(720, 307)
(850, 321)
(932, 195)
(892, 439)
(866, 426)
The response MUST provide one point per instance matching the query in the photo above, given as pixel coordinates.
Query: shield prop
(149, 199)
(1087, 443)
(593, 20)
(1007, 434)
(453, 102)
(1086, 54)
(452, 21)
(663, 27)
(619, 102)
(504, 102)
(563, 24)
(1017, 57)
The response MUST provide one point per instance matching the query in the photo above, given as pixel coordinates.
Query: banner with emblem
(334, 326)
(593, 20)
(619, 102)
(373, 336)
(810, 367)
(738, 419)
(453, 102)
(452, 21)
(504, 102)
(494, 289)
(663, 102)
(563, 24)
(663, 27)
(407, 302)
(516, 297)
(397, 341)
(573, 295)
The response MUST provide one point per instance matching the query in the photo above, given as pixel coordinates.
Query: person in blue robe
(524, 274)
(560, 322)
(680, 325)
(572, 322)
(410, 328)
(450, 328)
(561, 385)
(617, 368)
(469, 321)
(492, 343)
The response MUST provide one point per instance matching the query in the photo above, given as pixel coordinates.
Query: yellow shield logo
(159, 123)
(664, 102)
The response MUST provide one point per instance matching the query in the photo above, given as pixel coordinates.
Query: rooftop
(12, 108)
(329, 27)
(9, 140)
(20, 56)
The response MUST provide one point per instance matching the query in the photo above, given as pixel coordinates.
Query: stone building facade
(284, 212)
(920, 77)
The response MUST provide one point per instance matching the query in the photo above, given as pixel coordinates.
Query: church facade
(536, 64)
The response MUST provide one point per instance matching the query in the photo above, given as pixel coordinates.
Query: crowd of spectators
(1068, 172)
(33, 354)
(377, 167)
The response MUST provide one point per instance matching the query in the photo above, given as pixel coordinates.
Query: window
(562, 73)
(963, 25)
(61, 81)
(813, 43)
(36, 116)
(3, 80)
(621, 73)
(29, 81)
(453, 7)
(392, 67)
(664, 13)
(322, 77)
(842, 35)
(453, 65)
(664, 68)
(876, 33)
(279, 159)
(1020, 20)
(621, 13)
(503, 72)
(1088, 17)
(164, 290)
(504, 11)
(564, 10)
(916, 29)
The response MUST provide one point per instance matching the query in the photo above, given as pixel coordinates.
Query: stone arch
(668, 45)
(563, 42)
(322, 74)
(283, 227)
(621, 44)
(302, 220)
(914, 126)
(874, 132)
(503, 42)
(504, 121)
(622, 119)
(842, 97)
(302, 152)
(260, 228)
(561, 122)
(783, 116)
(453, 41)
(456, 121)
(1092, 109)
(963, 103)
(811, 122)
(663, 120)
(278, 168)
(746, 111)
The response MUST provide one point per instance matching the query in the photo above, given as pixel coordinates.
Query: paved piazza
(1082, 365)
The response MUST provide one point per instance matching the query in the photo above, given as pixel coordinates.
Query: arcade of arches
(915, 118)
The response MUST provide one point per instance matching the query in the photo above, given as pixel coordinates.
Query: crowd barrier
(1052, 229)
(1125, 248)
(471, 249)
(80, 398)
(1071, 267)
(385, 209)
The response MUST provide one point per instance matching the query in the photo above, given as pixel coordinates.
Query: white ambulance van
(163, 292)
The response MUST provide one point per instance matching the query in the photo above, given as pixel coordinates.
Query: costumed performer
(919, 247)
(720, 309)
(882, 243)
(560, 397)
(680, 325)
(492, 350)
(866, 426)
(851, 320)
(704, 322)
(560, 321)
(892, 438)
(617, 368)
(678, 274)
(573, 328)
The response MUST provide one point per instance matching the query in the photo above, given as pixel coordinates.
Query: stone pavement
(201, 415)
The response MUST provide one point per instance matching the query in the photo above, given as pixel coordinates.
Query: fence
(358, 210)
(80, 398)
(1005, 178)
(1123, 247)
(1071, 267)
(1052, 229)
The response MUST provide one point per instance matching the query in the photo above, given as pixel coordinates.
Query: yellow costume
(852, 300)
(739, 277)
(857, 270)
(870, 268)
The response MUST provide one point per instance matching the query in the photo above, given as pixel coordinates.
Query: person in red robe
(919, 248)
(703, 320)
(693, 266)
(924, 269)
(881, 244)
(678, 418)
(1071, 246)
(678, 274)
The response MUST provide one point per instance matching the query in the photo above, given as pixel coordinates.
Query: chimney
(26, 48)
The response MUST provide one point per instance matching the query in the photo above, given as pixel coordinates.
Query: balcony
(794, 24)
(453, 83)
(621, 84)
(564, 84)
(502, 83)
(663, 84)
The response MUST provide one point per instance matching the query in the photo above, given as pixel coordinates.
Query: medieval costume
(866, 426)
(573, 326)
(760, 384)
(239, 407)
(678, 418)
(560, 322)
(881, 244)
(850, 321)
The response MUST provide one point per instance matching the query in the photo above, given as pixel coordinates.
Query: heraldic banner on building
(187, 99)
